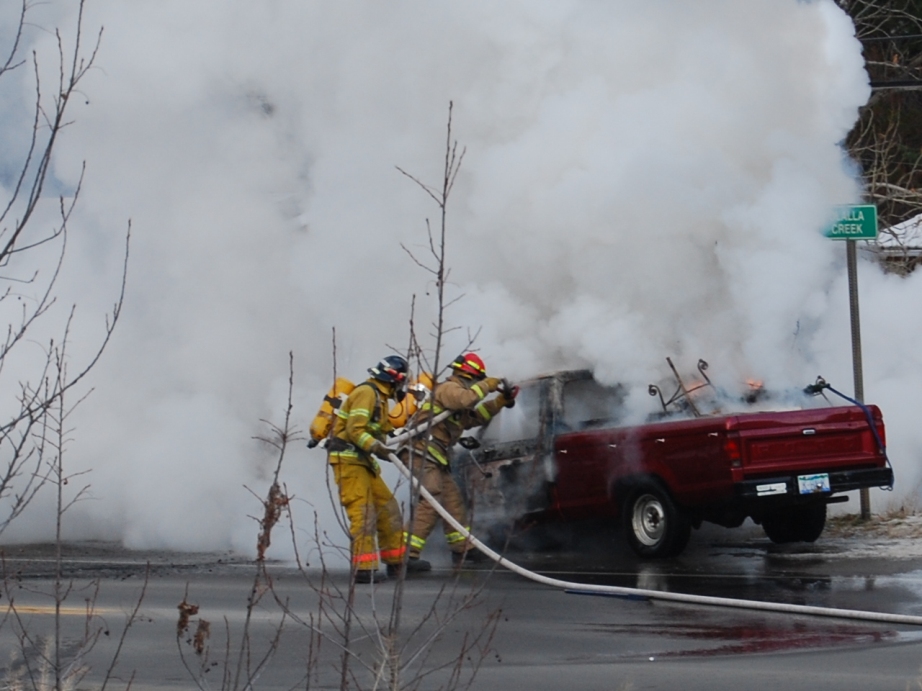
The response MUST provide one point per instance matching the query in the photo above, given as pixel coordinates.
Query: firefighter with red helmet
(354, 447)
(464, 393)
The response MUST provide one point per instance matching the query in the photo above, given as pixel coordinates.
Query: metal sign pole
(857, 368)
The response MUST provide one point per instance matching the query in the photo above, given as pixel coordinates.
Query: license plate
(813, 484)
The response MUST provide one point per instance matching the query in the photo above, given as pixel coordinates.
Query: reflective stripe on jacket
(466, 398)
(361, 421)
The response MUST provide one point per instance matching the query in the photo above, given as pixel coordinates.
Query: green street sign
(854, 223)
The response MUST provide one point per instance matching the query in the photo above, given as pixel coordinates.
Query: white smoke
(641, 179)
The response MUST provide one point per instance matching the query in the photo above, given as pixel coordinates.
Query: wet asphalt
(507, 632)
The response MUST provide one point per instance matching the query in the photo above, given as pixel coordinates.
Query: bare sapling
(242, 664)
(29, 279)
(59, 661)
(354, 636)
(34, 431)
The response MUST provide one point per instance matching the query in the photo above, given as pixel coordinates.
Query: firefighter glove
(490, 384)
(381, 451)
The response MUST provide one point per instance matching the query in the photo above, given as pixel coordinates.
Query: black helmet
(392, 370)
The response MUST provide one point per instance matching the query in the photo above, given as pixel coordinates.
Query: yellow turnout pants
(372, 511)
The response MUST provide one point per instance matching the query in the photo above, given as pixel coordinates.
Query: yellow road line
(65, 611)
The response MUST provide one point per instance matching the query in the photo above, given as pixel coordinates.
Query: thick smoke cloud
(641, 179)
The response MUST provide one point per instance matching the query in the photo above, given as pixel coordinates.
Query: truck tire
(654, 526)
(795, 524)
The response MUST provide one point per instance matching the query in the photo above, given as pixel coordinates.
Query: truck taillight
(732, 451)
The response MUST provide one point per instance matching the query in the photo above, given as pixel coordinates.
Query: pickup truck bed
(662, 478)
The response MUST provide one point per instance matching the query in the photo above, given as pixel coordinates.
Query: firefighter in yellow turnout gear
(465, 393)
(360, 426)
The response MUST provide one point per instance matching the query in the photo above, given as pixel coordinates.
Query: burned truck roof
(579, 401)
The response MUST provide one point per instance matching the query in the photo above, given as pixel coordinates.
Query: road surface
(513, 633)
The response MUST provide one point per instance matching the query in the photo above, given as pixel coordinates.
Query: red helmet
(471, 365)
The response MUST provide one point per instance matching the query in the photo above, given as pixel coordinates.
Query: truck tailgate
(807, 440)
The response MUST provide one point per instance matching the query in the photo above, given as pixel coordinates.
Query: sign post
(855, 223)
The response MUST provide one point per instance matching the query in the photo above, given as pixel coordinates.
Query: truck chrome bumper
(839, 481)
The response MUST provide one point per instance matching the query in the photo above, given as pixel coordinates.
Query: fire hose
(817, 388)
(620, 591)
(407, 434)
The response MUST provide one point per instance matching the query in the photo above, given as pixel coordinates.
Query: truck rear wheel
(654, 526)
(795, 524)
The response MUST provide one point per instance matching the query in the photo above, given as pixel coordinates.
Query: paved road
(522, 635)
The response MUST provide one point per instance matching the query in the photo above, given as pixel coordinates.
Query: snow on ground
(894, 535)
(890, 536)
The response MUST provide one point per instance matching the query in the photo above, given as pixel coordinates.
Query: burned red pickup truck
(563, 454)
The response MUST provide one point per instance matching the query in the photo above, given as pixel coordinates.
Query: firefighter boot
(417, 565)
(413, 565)
(369, 576)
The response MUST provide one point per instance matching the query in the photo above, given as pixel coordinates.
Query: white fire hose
(653, 594)
(398, 439)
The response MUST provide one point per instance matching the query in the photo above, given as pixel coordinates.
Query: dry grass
(901, 521)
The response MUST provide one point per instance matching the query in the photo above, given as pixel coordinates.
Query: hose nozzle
(816, 387)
